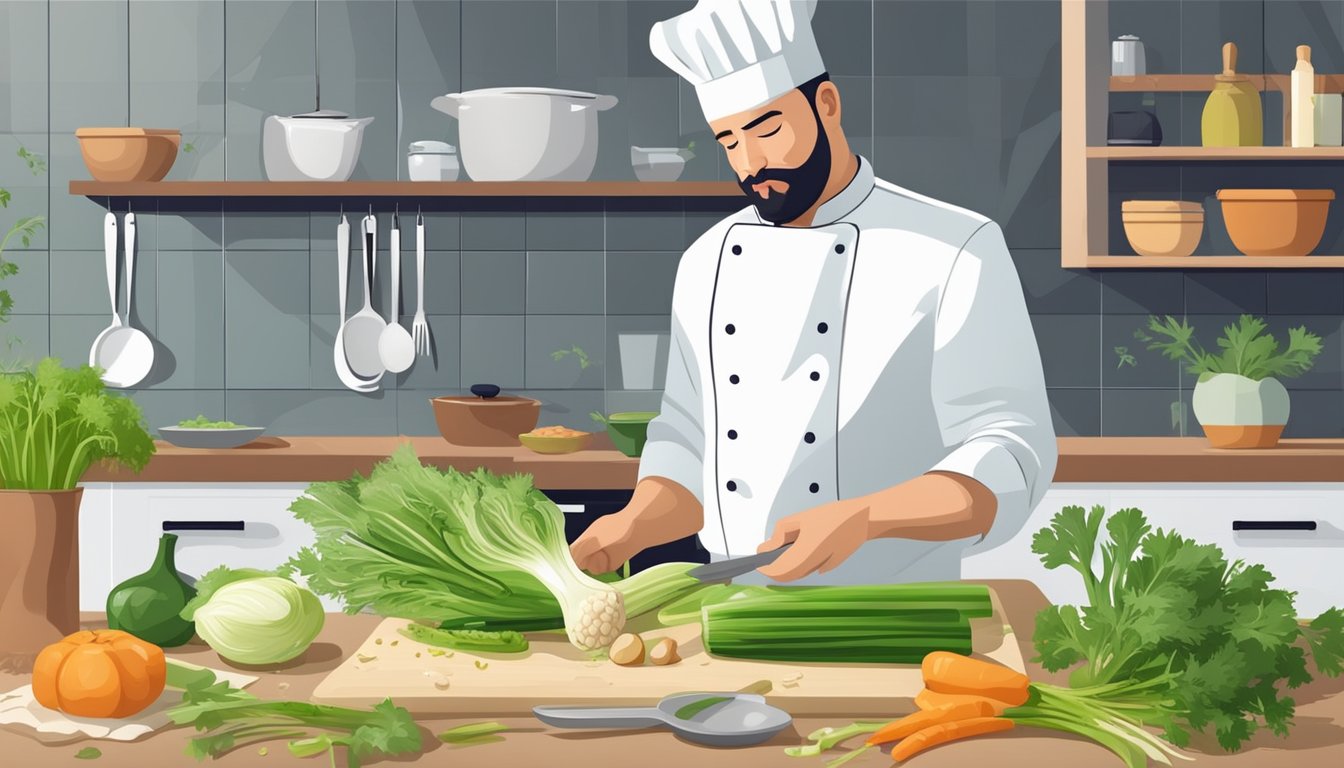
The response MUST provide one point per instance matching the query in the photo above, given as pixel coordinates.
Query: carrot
(953, 673)
(927, 699)
(899, 729)
(944, 732)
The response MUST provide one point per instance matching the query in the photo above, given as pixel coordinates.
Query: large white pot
(1237, 412)
(303, 148)
(526, 134)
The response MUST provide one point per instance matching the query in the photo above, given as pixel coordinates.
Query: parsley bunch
(234, 718)
(1246, 349)
(1175, 636)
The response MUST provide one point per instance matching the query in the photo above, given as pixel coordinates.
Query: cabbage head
(254, 617)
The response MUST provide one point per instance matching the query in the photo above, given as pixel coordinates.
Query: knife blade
(726, 570)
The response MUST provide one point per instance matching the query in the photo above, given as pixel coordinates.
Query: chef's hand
(606, 545)
(823, 537)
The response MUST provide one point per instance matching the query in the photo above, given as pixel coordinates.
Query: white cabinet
(1296, 530)
(95, 550)
(238, 525)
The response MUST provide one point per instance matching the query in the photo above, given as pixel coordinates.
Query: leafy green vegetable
(1173, 636)
(250, 616)
(89, 753)
(55, 422)
(200, 422)
(232, 718)
(1246, 349)
(467, 551)
(466, 639)
(473, 733)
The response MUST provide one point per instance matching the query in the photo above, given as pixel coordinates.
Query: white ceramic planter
(1237, 412)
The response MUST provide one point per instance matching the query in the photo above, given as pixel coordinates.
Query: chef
(852, 368)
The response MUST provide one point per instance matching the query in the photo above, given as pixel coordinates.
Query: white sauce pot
(526, 134)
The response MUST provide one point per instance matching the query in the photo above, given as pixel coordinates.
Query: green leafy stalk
(231, 718)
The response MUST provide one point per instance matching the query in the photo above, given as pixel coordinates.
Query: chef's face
(781, 151)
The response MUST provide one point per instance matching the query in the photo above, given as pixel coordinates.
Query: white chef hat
(740, 54)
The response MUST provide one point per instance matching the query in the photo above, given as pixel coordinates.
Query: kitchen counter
(1317, 739)
(1081, 460)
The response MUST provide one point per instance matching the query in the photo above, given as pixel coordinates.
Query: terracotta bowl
(1162, 227)
(128, 154)
(1275, 222)
(1243, 436)
(485, 421)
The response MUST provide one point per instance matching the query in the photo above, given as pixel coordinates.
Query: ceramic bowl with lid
(432, 161)
(1162, 227)
(485, 418)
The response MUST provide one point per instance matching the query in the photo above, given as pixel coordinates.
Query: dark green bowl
(629, 431)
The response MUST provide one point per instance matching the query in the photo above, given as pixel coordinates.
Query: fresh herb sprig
(1173, 635)
(55, 422)
(1246, 349)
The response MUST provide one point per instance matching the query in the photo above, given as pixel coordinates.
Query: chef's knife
(726, 570)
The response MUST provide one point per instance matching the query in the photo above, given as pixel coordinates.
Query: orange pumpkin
(99, 673)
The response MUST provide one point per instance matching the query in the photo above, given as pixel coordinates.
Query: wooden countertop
(1317, 738)
(1081, 460)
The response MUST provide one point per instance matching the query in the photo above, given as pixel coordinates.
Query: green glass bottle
(148, 605)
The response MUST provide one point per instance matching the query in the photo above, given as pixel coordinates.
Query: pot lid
(431, 148)
(123, 132)
(1161, 206)
(1276, 194)
(324, 114)
(530, 91)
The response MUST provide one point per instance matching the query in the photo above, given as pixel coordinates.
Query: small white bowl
(659, 163)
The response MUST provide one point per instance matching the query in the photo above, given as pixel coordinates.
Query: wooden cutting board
(554, 672)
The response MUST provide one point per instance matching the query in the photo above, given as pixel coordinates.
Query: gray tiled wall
(953, 98)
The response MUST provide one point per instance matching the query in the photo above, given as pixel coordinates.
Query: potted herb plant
(54, 423)
(1239, 400)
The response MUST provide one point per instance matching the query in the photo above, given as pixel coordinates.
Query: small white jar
(432, 161)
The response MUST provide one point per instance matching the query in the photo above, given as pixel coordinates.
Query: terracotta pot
(485, 421)
(1237, 412)
(39, 572)
(1275, 222)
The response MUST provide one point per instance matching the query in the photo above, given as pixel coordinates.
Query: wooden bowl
(1275, 222)
(128, 154)
(1162, 227)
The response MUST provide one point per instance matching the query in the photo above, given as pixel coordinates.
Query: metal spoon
(713, 719)
(343, 372)
(126, 354)
(363, 331)
(396, 348)
(110, 263)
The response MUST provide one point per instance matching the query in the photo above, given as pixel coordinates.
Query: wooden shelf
(1140, 154)
(1213, 262)
(407, 189)
(1205, 83)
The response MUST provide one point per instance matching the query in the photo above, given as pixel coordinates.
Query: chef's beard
(806, 183)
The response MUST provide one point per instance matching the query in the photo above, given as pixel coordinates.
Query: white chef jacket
(808, 365)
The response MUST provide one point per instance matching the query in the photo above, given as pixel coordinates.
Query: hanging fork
(419, 326)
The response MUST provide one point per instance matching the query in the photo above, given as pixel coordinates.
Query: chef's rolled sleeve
(988, 386)
(676, 441)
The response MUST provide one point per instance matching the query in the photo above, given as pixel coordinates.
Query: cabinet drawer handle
(203, 525)
(1273, 525)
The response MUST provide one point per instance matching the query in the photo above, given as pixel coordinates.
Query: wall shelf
(407, 189)
(1194, 83)
(1087, 208)
(1157, 154)
(1213, 262)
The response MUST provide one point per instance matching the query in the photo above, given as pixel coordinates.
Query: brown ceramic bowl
(485, 421)
(1162, 227)
(1275, 222)
(128, 154)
